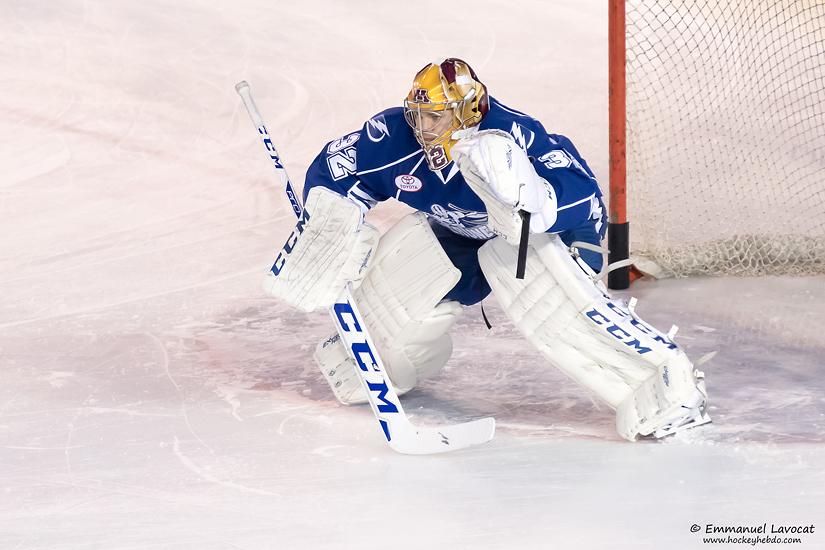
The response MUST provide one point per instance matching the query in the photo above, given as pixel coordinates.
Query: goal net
(726, 135)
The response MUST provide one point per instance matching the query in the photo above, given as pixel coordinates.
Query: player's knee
(419, 354)
(401, 300)
(593, 259)
(587, 234)
(425, 349)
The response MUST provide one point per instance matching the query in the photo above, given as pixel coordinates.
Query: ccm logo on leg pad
(625, 334)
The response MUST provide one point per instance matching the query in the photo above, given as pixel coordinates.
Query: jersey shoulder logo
(377, 129)
(523, 136)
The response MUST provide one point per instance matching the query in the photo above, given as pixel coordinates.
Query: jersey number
(555, 159)
(438, 157)
(341, 160)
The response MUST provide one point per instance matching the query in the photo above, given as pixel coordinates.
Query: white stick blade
(424, 441)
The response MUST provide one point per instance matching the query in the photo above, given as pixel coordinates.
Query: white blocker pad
(329, 246)
(401, 301)
(596, 341)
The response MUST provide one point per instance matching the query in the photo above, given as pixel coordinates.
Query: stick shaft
(245, 92)
(348, 321)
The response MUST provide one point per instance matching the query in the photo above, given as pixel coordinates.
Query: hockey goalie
(469, 166)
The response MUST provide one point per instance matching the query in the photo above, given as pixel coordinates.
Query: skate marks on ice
(766, 385)
(484, 377)
(767, 382)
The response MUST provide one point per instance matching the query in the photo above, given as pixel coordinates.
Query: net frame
(720, 168)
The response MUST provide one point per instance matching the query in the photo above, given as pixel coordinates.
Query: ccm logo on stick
(364, 357)
(273, 154)
(290, 244)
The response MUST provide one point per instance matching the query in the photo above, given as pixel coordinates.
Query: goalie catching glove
(501, 174)
(330, 246)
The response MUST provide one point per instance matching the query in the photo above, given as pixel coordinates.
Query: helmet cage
(444, 99)
(421, 117)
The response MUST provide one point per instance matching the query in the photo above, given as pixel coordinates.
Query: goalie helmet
(444, 98)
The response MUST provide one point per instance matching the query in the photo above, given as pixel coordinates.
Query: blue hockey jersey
(383, 160)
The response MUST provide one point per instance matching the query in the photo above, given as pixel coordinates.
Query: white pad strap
(401, 301)
(501, 174)
(591, 338)
(329, 247)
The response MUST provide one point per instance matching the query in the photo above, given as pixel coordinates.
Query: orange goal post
(717, 137)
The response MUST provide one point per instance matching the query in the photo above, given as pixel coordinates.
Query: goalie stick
(401, 435)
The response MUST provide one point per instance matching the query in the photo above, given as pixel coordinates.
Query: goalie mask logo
(420, 96)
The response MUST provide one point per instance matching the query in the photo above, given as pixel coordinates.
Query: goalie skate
(691, 414)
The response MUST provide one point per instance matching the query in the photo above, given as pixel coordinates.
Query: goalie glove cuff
(544, 210)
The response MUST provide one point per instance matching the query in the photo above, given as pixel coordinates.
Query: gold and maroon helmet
(444, 98)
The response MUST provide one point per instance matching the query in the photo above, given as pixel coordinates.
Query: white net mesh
(726, 135)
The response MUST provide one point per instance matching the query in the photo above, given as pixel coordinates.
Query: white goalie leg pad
(596, 341)
(401, 301)
(329, 247)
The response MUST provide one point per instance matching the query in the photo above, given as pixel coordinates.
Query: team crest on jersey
(409, 183)
(377, 129)
(461, 221)
(420, 96)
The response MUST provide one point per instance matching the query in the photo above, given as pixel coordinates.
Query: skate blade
(673, 429)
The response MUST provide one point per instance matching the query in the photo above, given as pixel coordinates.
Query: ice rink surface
(152, 397)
